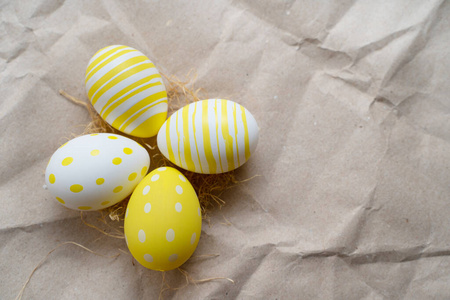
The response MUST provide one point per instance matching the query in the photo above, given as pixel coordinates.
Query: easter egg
(95, 171)
(210, 136)
(126, 90)
(163, 220)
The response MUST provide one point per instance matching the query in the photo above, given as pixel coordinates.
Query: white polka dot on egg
(179, 189)
(193, 237)
(148, 258)
(178, 207)
(141, 236)
(182, 178)
(155, 177)
(173, 257)
(146, 190)
(147, 208)
(170, 235)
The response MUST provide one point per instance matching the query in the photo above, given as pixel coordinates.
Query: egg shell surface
(95, 171)
(163, 220)
(210, 136)
(127, 91)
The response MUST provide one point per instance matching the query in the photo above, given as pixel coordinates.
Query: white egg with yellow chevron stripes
(210, 136)
(127, 91)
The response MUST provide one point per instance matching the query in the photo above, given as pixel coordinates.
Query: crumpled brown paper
(353, 103)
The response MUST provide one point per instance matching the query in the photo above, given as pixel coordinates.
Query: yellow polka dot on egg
(67, 161)
(100, 181)
(94, 134)
(84, 207)
(117, 189)
(132, 176)
(60, 200)
(144, 171)
(104, 202)
(51, 178)
(76, 188)
(112, 137)
(95, 152)
(117, 161)
(127, 151)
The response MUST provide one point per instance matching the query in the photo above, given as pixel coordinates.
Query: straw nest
(209, 187)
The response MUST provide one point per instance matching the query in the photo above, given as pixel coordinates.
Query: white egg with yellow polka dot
(95, 171)
(163, 220)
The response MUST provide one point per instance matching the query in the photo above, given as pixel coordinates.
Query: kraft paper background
(353, 103)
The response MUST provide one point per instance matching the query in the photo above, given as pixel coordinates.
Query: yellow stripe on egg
(140, 108)
(236, 132)
(206, 139)
(96, 94)
(217, 133)
(106, 74)
(130, 91)
(195, 139)
(247, 147)
(187, 147)
(227, 137)
(169, 143)
(116, 55)
(178, 138)
(98, 58)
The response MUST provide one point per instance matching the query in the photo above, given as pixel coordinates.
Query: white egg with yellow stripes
(126, 90)
(210, 136)
(95, 171)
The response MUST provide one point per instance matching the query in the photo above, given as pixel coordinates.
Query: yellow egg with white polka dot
(163, 220)
(95, 171)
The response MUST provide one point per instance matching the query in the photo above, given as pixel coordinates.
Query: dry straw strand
(19, 296)
(118, 236)
(189, 280)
